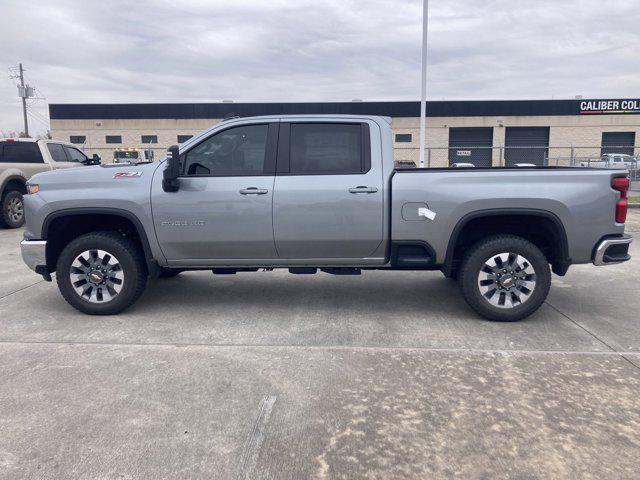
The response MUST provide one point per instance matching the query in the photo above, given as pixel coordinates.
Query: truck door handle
(253, 191)
(363, 189)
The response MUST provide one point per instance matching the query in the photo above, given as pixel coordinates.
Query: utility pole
(423, 84)
(24, 102)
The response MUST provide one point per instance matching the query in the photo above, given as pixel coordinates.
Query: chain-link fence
(486, 156)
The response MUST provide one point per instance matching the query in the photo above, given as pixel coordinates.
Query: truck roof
(36, 140)
(303, 116)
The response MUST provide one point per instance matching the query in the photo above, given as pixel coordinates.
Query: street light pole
(423, 85)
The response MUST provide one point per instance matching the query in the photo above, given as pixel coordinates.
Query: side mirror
(170, 181)
(95, 160)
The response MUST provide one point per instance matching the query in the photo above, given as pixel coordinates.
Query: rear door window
(21, 152)
(57, 152)
(326, 148)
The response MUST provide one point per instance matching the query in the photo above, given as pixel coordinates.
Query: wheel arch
(556, 248)
(14, 180)
(113, 218)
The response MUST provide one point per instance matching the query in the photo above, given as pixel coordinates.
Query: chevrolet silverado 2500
(313, 193)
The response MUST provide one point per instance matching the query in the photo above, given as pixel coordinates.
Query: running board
(329, 270)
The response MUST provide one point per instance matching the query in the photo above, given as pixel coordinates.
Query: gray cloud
(303, 50)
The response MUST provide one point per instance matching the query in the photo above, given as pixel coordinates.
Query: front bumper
(612, 250)
(34, 254)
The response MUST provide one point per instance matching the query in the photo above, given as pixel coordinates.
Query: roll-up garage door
(618, 142)
(526, 145)
(471, 145)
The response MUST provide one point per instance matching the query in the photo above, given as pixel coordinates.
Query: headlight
(33, 188)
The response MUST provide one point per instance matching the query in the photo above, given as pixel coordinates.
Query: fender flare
(13, 176)
(560, 267)
(142, 234)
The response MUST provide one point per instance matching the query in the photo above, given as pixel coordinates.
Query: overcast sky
(79, 51)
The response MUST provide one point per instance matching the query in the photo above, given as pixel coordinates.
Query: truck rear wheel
(504, 278)
(101, 273)
(12, 215)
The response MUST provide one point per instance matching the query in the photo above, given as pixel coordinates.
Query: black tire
(12, 209)
(130, 261)
(476, 263)
(169, 272)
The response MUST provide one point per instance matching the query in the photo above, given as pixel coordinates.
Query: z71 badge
(127, 174)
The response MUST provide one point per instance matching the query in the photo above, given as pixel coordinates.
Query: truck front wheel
(504, 278)
(101, 273)
(12, 215)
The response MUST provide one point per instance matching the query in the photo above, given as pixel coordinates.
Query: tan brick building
(478, 132)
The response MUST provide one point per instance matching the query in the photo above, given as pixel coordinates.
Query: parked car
(313, 193)
(462, 165)
(132, 155)
(612, 160)
(405, 164)
(20, 158)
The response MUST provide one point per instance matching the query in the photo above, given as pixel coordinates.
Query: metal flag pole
(423, 96)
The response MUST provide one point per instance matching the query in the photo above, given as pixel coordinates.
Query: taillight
(621, 184)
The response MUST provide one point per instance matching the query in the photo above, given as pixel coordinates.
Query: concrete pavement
(260, 376)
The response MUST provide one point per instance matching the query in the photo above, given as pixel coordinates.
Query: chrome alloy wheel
(15, 209)
(507, 280)
(96, 276)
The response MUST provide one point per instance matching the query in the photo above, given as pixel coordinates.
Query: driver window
(75, 155)
(236, 151)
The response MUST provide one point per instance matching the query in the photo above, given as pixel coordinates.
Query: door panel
(223, 208)
(208, 218)
(331, 215)
(317, 217)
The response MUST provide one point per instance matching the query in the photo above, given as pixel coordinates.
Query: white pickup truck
(20, 159)
(613, 160)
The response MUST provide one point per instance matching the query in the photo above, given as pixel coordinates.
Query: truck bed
(580, 198)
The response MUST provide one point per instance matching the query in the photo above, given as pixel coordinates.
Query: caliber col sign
(609, 106)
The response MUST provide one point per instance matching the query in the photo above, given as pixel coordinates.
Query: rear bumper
(34, 254)
(612, 250)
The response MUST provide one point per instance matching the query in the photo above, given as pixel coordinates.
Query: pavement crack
(251, 450)
(76, 343)
(630, 361)
(582, 327)
(21, 289)
(593, 335)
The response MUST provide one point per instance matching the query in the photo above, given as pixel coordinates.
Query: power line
(38, 115)
(38, 119)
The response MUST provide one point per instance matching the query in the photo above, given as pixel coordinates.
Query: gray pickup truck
(313, 193)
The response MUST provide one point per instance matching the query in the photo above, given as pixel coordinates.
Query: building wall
(582, 132)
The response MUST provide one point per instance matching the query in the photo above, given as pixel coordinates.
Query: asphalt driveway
(269, 375)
